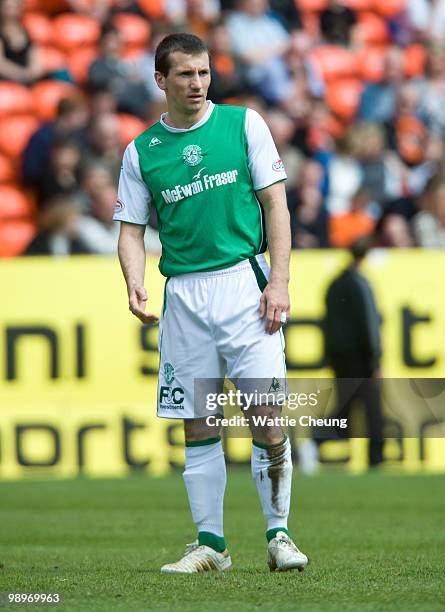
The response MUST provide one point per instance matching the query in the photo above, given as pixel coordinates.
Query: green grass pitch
(376, 542)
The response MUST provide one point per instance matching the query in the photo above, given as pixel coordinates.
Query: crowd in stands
(352, 90)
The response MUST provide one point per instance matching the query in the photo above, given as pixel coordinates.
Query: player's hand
(137, 300)
(273, 302)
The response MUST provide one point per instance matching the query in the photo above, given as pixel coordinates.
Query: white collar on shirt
(209, 111)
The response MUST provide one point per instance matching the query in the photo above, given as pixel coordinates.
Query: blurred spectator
(371, 152)
(353, 347)
(336, 22)
(282, 129)
(71, 121)
(430, 164)
(431, 89)
(146, 66)
(61, 177)
(100, 233)
(286, 11)
(58, 233)
(345, 228)
(227, 73)
(119, 77)
(389, 175)
(307, 212)
(426, 18)
(194, 15)
(101, 100)
(344, 174)
(104, 144)
(19, 58)
(429, 224)
(200, 16)
(125, 6)
(260, 41)
(94, 179)
(378, 100)
(394, 232)
(305, 81)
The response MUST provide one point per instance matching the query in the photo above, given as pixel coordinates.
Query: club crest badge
(169, 373)
(192, 155)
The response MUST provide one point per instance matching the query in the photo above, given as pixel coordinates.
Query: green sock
(271, 533)
(213, 541)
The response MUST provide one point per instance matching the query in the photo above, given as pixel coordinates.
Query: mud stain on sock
(276, 472)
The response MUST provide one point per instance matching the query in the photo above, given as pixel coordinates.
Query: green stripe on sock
(203, 442)
(271, 533)
(213, 541)
(262, 445)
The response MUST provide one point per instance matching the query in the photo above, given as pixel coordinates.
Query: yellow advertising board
(78, 372)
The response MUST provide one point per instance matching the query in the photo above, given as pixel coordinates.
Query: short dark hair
(182, 42)
(360, 247)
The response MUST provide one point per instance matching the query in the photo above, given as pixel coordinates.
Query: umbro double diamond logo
(154, 142)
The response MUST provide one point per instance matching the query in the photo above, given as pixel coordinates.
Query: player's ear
(160, 80)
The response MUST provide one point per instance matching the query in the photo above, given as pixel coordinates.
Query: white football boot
(199, 558)
(283, 555)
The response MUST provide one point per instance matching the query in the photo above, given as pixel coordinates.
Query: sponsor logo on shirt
(192, 155)
(205, 182)
(278, 165)
(154, 141)
(198, 176)
(119, 206)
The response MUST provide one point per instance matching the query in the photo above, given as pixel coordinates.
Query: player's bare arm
(275, 298)
(131, 250)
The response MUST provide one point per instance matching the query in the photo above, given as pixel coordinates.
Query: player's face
(187, 82)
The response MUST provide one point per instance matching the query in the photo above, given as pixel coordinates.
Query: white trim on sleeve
(265, 165)
(134, 198)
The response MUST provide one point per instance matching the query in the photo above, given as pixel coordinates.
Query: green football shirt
(202, 182)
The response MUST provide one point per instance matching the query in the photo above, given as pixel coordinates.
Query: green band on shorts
(259, 274)
(165, 295)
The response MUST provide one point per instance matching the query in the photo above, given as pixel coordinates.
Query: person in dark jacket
(353, 346)
(58, 232)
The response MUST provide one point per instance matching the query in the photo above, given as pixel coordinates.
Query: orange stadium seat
(14, 98)
(310, 6)
(79, 61)
(53, 6)
(154, 8)
(31, 5)
(39, 28)
(389, 8)
(72, 31)
(15, 237)
(135, 30)
(334, 62)
(129, 128)
(371, 30)
(52, 59)
(7, 170)
(343, 97)
(371, 61)
(415, 59)
(15, 131)
(15, 203)
(47, 95)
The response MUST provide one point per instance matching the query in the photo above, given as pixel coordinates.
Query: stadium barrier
(78, 372)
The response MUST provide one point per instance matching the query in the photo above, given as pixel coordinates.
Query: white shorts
(210, 328)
